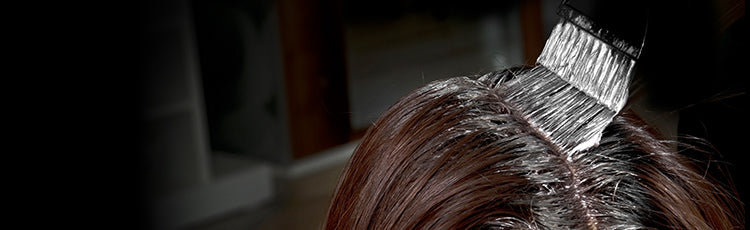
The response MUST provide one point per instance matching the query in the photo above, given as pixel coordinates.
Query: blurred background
(251, 108)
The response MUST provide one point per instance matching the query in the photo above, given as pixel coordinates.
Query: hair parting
(457, 154)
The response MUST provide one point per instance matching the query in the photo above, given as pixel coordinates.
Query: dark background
(92, 64)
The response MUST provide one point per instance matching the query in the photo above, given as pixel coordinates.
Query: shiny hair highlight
(455, 154)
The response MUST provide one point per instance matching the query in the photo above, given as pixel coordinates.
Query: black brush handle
(622, 24)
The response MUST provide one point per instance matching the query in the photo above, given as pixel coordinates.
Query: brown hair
(455, 155)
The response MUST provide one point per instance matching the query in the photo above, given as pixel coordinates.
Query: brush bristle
(591, 65)
(575, 92)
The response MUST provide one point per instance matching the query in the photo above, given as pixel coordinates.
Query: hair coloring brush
(581, 80)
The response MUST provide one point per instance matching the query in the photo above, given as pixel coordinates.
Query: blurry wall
(250, 70)
(175, 140)
(239, 52)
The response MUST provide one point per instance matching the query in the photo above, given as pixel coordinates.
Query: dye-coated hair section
(455, 155)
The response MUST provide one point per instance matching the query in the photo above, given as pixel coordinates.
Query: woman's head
(455, 155)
